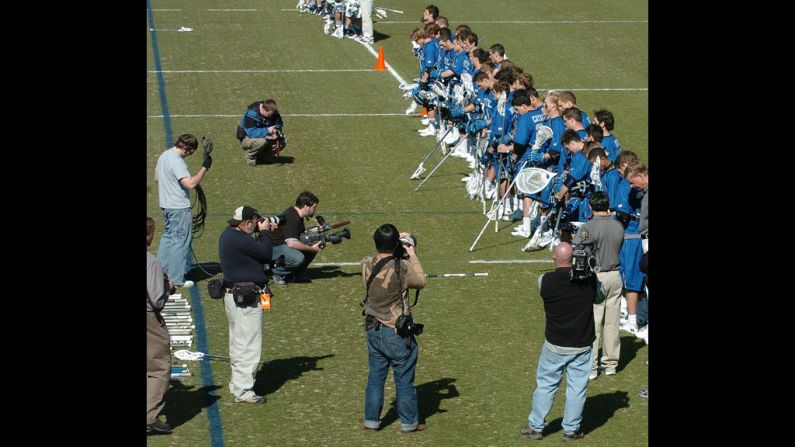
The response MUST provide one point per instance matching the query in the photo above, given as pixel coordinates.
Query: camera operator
(606, 234)
(243, 259)
(568, 340)
(387, 309)
(297, 255)
(158, 354)
(260, 132)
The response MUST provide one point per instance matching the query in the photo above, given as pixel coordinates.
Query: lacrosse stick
(408, 87)
(534, 181)
(456, 275)
(388, 9)
(437, 167)
(184, 354)
(421, 169)
(595, 179)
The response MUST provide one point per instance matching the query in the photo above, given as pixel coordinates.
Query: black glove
(208, 161)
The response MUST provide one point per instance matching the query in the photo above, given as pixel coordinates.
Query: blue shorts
(630, 254)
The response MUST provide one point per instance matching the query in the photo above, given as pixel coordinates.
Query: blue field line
(213, 413)
(161, 83)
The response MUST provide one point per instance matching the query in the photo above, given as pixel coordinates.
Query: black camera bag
(241, 133)
(245, 293)
(215, 287)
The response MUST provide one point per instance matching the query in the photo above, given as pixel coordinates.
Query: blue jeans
(295, 261)
(385, 348)
(174, 250)
(548, 377)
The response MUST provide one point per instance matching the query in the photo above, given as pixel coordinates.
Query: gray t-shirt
(607, 235)
(170, 169)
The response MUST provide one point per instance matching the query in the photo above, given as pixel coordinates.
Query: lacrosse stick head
(543, 133)
(440, 89)
(418, 172)
(533, 180)
(184, 354)
(405, 86)
(466, 81)
(595, 180)
(380, 12)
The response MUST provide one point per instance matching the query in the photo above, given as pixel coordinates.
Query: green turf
(476, 370)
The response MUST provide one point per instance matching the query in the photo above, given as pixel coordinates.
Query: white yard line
(510, 261)
(538, 22)
(308, 70)
(328, 115)
(231, 10)
(388, 67)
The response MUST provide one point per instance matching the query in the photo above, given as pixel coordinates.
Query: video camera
(312, 238)
(317, 233)
(583, 263)
(400, 250)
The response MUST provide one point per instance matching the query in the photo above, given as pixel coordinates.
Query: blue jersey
(461, 59)
(611, 185)
(611, 146)
(428, 55)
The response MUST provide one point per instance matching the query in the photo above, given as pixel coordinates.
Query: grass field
(476, 370)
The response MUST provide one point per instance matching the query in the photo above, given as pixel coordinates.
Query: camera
(406, 326)
(400, 251)
(278, 262)
(583, 263)
(278, 220)
(278, 131)
(313, 237)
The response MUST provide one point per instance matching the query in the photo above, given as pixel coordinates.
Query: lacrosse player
(604, 118)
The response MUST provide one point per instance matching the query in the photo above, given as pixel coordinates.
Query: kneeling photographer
(287, 242)
(389, 325)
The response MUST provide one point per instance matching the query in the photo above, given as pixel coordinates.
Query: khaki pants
(158, 365)
(608, 314)
(245, 345)
(255, 146)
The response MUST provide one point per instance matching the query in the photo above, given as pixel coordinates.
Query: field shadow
(183, 402)
(273, 160)
(203, 270)
(429, 399)
(328, 271)
(598, 410)
(378, 36)
(629, 350)
(275, 373)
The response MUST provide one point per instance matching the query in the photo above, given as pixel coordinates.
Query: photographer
(606, 235)
(389, 327)
(297, 255)
(158, 355)
(260, 132)
(568, 339)
(243, 259)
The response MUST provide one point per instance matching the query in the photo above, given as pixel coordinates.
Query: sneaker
(425, 121)
(419, 427)
(610, 372)
(644, 393)
(643, 333)
(159, 427)
(337, 33)
(250, 162)
(427, 132)
(626, 326)
(594, 374)
(623, 307)
(573, 436)
(278, 280)
(529, 433)
(253, 399)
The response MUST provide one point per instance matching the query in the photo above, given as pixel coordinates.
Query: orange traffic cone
(379, 66)
(424, 111)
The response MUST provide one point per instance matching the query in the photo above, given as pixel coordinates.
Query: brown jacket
(385, 301)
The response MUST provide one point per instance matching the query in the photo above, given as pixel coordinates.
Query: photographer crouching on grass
(287, 243)
(260, 132)
(389, 326)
